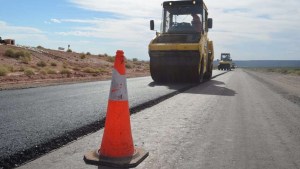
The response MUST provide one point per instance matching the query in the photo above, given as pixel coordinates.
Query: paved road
(32, 116)
(233, 122)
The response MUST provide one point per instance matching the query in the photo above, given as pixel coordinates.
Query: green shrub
(40, 47)
(69, 50)
(17, 54)
(65, 65)
(25, 59)
(53, 64)
(102, 70)
(110, 58)
(9, 68)
(76, 68)
(22, 53)
(65, 71)
(41, 64)
(82, 56)
(28, 72)
(90, 70)
(10, 53)
(43, 72)
(128, 65)
(88, 53)
(135, 59)
(51, 71)
(3, 71)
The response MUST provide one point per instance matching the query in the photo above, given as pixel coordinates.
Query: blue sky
(251, 30)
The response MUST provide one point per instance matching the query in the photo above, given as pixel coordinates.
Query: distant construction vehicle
(226, 62)
(182, 52)
(233, 66)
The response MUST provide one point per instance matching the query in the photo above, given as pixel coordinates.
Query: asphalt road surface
(234, 121)
(29, 117)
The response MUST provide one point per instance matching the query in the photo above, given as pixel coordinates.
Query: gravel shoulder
(286, 85)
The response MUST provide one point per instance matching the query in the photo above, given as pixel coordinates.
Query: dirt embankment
(23, 67)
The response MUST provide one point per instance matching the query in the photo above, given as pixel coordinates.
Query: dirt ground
(284, 84)
(51, 67)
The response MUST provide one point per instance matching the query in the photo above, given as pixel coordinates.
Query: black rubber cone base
(94, 158)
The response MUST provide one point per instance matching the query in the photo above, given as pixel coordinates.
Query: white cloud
(20, 33)
(126, 23)
(47, 22)
(5, 28)
(235, 23)
(265, 25)
(126, 8)
(55, 20)
(128, 29)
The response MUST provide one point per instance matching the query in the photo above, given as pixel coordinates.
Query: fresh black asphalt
(30, 117)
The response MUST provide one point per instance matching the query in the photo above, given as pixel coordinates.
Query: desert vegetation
(82, 56)
(23, 56)
(29, 72)
(3, 71)
(25, 64)
(41, 64)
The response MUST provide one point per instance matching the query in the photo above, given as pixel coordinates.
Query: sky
(249, 29)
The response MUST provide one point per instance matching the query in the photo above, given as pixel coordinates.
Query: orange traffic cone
(117, 148)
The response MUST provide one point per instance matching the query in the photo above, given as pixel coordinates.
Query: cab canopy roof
(225, 53)
(192, 4)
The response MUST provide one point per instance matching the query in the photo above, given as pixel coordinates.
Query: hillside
(22, 66)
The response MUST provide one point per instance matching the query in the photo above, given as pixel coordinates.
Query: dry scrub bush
(110, 58)
(65, 71)
(92, 70)
(128, 65)
(25, 59)
(28, 72)
(10, 53)
(24, 56)
(51, 71)
(43, 72)
(82, 56)
(65, 65)
(53, 64)
(76, 68)
(9, 68)
(41, 64)
(3, 71)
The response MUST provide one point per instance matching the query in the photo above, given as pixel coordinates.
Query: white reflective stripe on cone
(118, 87)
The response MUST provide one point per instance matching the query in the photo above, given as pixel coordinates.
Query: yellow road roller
(226, 62)
(181, 51)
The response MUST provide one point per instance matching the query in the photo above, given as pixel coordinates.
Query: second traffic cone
(117, 148)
